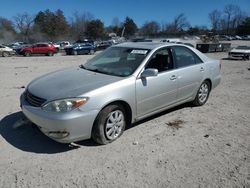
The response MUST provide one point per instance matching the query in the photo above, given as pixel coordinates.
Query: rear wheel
(27, 54)
(91, 52)
(74, 52)
(5, 54)
(202, 94)
(109, 124)
(50, 54)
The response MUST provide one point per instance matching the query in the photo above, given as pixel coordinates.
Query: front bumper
(61, 127)
(237, 56)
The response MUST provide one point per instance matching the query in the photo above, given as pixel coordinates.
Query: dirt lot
(206, 146)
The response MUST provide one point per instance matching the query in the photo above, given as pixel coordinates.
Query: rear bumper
(216, 81)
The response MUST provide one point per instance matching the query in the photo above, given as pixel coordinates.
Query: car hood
(69, 83)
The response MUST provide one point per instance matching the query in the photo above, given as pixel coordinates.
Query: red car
(39, 48)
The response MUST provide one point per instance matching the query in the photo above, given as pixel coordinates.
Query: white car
(240, 52)
(6, 51)
(120, 86)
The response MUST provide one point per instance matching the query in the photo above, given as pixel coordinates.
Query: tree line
(52, 26)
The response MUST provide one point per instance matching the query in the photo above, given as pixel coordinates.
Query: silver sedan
(121, 85)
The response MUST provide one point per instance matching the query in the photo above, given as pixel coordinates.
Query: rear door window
(185, 57)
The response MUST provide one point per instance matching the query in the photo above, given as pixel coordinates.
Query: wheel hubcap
(114, 124)
(203, 93)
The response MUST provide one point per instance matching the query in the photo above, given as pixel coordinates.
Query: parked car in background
(103, 45)
(39, 48)
(122, 85)
(56, 45)
(80, 49)
(225, 37)
(16, 44)
(238, 37)
(246, 37)
(20, 47)
(139, 39)
(64, 44)
(240, 52)
(6, 51)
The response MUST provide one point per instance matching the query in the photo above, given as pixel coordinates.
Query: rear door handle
(173, 77)
(201, 69)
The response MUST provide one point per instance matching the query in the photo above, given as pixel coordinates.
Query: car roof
(143, 45)
(155, 45)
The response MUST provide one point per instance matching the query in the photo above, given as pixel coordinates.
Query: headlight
(64, 105)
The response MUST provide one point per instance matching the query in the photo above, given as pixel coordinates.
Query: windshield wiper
(92, 69)
(82, 66)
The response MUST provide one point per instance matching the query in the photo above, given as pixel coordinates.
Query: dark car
(80, 49)
(19, 48)
(39, 48)
(103, 45)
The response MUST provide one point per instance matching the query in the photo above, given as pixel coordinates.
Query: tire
(27, 54)
(50, 54)
(109, 124)
(5, 54)
(202, 94)
(91, 52)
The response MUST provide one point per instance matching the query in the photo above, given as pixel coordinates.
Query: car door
(39, 48)
(44, 49)
(36, 48)
(155, 93)
(190, 72)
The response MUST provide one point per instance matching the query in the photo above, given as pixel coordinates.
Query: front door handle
(173, 77)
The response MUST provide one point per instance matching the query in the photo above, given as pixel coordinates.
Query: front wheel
(109, 124)
(91, 52)
(5, 54)
(202, 94)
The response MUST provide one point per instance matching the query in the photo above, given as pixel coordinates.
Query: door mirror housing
(149, 73)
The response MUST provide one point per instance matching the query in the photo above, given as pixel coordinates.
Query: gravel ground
(206, 146)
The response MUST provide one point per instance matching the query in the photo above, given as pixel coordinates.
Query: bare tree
(230, 11)
(150, 28)
(79, 24)
(238, 18)
(7, 30)
(23, 23)
(215, 17)
(179, 24)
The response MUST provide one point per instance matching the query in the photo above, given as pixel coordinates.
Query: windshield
(243, 47)
(117, 61)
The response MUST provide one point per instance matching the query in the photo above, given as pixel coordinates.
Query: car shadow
(186, 105)
(27, 137)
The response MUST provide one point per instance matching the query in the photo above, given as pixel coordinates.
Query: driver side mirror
(149, 73)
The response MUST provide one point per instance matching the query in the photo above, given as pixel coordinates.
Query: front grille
(34, 100)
